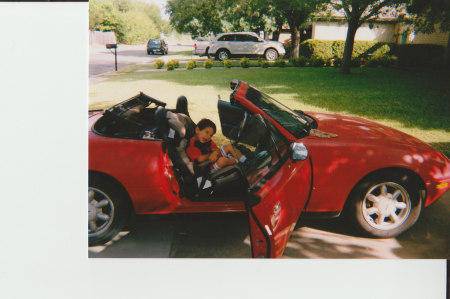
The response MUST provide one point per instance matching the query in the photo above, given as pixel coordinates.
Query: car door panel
(230, 118)
(280, 202)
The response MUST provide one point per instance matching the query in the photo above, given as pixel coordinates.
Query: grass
(414, 102)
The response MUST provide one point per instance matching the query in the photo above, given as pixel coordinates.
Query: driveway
(227, 236)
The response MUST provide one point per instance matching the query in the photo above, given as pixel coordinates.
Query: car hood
(362, 130)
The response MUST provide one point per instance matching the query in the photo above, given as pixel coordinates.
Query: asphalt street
(101, 60)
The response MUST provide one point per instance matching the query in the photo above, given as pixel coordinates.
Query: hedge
(421, 56)
(327, 49)
(378, 53)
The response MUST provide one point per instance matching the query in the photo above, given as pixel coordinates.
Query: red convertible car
(298, 164)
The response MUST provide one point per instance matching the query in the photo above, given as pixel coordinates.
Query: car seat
(176, 129)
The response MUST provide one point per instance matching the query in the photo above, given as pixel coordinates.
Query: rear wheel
(385, 206)
(108, 209)
(222, 54)
(271, 54)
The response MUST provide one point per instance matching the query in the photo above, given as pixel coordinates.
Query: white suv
(247, 44)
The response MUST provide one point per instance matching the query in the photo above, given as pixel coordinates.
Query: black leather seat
(176, 129)
(182, 105)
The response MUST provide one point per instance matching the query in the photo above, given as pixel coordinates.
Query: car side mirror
(299, 152)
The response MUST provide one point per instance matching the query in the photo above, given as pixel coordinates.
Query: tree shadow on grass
(416, 99)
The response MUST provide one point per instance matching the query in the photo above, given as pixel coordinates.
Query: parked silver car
(226, 45)
(200, 46)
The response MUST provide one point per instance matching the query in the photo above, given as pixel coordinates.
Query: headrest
(179, 122)
(182, 105)
(161, 115)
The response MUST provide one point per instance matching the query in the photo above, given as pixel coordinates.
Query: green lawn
(415, 102)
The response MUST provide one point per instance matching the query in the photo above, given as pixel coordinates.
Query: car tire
(108, 210)
(271, 54)
(385, 206)
(148, 52)
(222, 54)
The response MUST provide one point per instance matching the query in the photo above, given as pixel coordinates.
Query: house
(388, 27)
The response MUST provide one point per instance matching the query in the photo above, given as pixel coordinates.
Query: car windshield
(290, 120)
(154, 42)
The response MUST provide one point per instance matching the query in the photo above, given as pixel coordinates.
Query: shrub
(327, 49)
(245, 62)
(279, 62)
(355, 62)
(208, 63)
(299, 61)
(317, 62)
(337, 62)
(227, 63)
(191, 64)
(172, 64)
(159, 63)
(373, 61)
(260, 61)
(264, 64)
(420, 56)
(317, 48)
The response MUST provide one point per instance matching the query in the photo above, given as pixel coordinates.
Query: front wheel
(107, 211)
(384, 207)
(271, 54)
(222, 55)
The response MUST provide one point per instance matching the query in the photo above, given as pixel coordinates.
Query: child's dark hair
(204, 123)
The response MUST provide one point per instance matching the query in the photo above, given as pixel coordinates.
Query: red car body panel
(146, 177)
(362, 147)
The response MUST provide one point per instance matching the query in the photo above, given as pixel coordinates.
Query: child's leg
(222, 162)
(228, 149)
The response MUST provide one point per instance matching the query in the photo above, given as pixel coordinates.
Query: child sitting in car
(202, 148)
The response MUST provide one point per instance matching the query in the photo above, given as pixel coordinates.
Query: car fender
(338, 168)
(148, 173)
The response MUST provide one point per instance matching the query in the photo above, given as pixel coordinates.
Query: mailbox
(113, 46)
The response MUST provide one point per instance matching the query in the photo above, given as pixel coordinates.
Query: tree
(132, 22)
(427, 14)
(358, 12)
(297, 13)
(197, 17)
(136, 28)
(103, 15)
(200, 17)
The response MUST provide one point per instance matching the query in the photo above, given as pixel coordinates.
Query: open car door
(278, 174)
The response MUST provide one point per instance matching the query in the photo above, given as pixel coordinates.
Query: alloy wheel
(386, 206)
(101, 212)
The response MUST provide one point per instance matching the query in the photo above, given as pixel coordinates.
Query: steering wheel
(242, 125)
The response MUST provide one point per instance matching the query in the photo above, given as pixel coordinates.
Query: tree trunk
(279, 23)
(276, 35)
(447, 54)
(295, 41)
(348, 49)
